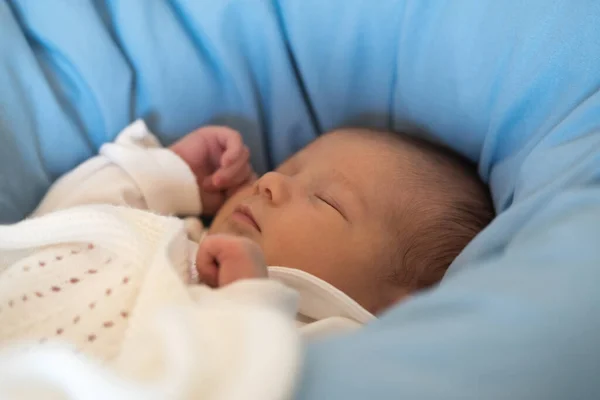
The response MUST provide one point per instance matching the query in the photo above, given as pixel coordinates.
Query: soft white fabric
(114, 285)
(150, 335)
(133, 171)
(323, 309)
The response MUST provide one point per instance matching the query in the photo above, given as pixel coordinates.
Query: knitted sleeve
(134, 171)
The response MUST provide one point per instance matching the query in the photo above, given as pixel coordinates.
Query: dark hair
(449, 205)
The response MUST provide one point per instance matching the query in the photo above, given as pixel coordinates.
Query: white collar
(319, 299)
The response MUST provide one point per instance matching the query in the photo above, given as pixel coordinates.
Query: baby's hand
(220, 161)
(224, 259)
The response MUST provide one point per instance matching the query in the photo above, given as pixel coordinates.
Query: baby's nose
(274, 187)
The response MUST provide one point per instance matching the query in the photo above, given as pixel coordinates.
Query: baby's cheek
(228, 207)
(242, 191)
(298, 244)
(332, 250)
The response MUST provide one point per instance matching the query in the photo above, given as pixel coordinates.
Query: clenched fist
(224, 259)
(220, 161)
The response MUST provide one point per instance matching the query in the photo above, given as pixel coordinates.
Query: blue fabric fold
(512, 85)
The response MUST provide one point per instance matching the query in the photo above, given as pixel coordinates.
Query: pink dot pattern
(52, 264)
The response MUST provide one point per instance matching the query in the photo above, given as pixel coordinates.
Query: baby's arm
(196, 174)
(133, 171)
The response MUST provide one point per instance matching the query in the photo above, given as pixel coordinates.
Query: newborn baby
(355, 222)
(376, 214)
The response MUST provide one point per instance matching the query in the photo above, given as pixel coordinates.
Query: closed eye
(331, 203)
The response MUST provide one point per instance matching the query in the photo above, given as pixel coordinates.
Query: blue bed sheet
(513, 85)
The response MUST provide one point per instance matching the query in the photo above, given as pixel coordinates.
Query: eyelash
(330, 204)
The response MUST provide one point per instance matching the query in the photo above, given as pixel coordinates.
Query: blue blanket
(513, 85)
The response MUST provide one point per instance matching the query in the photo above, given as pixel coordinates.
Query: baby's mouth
(244, 214)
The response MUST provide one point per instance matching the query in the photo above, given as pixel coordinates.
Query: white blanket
(179, 341)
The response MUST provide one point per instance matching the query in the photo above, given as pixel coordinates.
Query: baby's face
(324, 211)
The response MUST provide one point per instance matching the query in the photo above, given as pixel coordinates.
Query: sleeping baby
(353, 223)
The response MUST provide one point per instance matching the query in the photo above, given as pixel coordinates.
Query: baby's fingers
(233, 174)
(224, 259)
(207, 264)
(233, 145)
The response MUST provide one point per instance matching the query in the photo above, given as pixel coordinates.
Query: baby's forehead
(359, 144)
(354, 152)
(368, 164)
